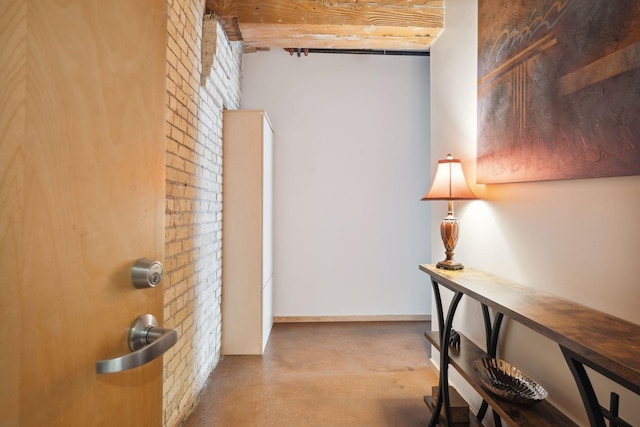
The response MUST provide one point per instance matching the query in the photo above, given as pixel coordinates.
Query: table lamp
(449, 184)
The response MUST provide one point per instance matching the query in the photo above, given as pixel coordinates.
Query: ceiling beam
(337, 37)
(348, 24)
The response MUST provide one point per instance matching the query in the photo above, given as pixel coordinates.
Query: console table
(587, 337)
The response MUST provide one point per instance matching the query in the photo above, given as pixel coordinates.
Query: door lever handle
(146, 341)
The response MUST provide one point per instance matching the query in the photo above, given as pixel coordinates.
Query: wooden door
(82, 97)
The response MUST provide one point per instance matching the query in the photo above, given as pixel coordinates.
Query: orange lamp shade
(449, 182)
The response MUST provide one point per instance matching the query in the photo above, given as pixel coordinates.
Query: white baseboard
(375, 318)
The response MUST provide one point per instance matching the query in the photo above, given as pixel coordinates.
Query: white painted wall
(351, 161)
(577, 239)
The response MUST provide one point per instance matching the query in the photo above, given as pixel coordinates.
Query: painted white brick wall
(193, 255)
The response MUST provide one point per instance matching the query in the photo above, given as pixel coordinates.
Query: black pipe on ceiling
(359, 52)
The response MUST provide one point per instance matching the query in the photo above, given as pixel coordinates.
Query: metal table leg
(445, 334)
(491, 336)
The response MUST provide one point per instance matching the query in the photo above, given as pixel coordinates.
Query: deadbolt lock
(146, 273)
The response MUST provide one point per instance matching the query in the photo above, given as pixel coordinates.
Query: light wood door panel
(82, 92)
(13, 32)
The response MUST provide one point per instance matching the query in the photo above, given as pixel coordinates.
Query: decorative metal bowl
(506, 381)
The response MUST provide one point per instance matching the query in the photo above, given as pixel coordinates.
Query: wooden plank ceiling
(398, 25)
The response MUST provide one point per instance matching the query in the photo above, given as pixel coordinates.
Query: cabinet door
(267, 231)
(267, 202)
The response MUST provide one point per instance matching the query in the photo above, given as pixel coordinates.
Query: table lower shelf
(536, 415)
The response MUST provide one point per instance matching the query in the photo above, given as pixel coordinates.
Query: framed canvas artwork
(558, 89)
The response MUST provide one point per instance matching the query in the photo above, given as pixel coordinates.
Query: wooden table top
(607, 341)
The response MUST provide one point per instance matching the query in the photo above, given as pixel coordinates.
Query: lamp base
(449, 234)
(450, 265)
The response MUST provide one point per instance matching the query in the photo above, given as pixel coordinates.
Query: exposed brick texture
(192, 285)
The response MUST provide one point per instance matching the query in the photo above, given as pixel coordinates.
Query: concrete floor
(324, 374)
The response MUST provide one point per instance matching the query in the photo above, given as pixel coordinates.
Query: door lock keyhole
(155, 279)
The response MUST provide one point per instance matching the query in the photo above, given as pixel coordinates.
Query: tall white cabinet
(247, 231)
